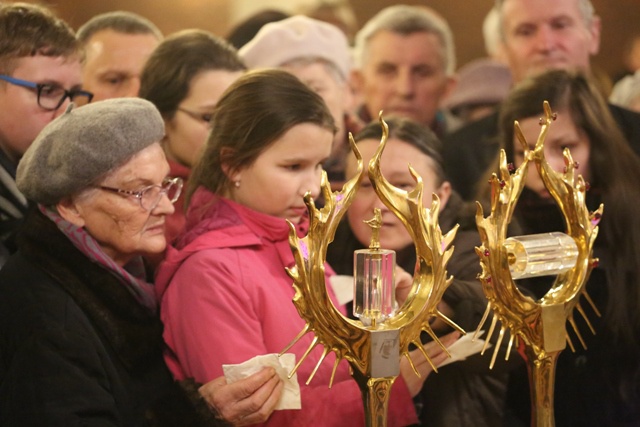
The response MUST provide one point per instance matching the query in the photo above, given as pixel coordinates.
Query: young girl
(600, 385)
(225, 295)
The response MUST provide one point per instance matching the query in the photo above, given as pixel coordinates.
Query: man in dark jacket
(537, 36)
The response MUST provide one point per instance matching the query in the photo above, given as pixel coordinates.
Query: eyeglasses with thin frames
(51, 96)
(201, 117)
(149, 197)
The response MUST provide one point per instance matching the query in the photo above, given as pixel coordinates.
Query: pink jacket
(225, 298)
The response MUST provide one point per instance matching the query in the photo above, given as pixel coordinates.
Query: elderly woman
(80, 339)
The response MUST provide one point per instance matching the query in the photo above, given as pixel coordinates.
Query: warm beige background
(620, 18)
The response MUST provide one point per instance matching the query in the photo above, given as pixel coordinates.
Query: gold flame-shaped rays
(533, 322)
(346, 338)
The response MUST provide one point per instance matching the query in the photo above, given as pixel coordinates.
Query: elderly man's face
(21, 118)
(404, 75)
(547, 34)
(120, 225)
(114, 62)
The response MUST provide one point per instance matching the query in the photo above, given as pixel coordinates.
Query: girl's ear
(70, 211)
(231, 174)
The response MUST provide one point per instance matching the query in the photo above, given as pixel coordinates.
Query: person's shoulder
(472, 132)
(31, 299)
(629, 123)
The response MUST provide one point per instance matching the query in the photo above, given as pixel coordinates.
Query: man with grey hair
(117, 44)
(405, 64)
(538, 35)
(548, 34)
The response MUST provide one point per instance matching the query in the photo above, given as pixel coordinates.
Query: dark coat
(469, 151)
(588, 381)
(13, 206)
(76, 348)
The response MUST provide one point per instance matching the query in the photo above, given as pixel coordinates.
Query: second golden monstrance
(374, 347)
(539, 326)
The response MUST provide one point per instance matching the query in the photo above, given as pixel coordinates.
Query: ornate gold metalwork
(540, 326)
(349, 339)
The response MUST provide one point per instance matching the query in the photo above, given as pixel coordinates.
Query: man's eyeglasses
(51, 96)
(149, 197)
(203, 117)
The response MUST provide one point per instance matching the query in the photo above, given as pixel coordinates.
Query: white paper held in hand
(284, 364)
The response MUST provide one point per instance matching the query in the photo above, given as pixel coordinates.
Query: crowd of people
(146, 182)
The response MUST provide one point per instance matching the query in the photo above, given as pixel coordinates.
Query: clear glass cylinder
(374, 285)
(540, 254)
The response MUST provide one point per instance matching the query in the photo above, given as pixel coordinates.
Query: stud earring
(236, 184)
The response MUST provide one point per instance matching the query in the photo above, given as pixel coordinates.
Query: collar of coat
(134, 333)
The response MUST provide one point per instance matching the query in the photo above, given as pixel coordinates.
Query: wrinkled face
(396, 157)
(404, 75)
(122, 228)
(276, 182)
(21, 118)
(114, 62)
(547, 34)
(188, 129)
(562, 134)
(335, 93)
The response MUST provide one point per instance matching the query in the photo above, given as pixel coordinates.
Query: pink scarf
(131, 276)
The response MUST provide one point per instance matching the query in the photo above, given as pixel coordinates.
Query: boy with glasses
(40, 74)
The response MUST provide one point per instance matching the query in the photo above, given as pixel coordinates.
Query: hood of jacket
(215, 222)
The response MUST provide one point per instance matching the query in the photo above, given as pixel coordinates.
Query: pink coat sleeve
(211, 319)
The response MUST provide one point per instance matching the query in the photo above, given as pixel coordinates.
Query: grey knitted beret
(78, 148)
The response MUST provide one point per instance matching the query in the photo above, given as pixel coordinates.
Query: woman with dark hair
(600, 385)
(225, 294)
(184, 77)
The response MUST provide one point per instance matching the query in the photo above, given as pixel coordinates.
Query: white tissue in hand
(284, 364)
(464, 347)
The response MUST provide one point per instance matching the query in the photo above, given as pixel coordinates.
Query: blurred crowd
(148, 182)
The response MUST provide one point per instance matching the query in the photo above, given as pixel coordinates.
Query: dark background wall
(620, 19)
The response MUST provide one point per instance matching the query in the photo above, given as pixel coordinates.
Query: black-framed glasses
(202, 117)
(51, 96)
(149, 197)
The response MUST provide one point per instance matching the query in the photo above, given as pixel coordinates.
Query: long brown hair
(255, 110)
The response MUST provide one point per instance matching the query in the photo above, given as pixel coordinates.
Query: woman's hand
(404, 281)
(247, 401)
(437, 356)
